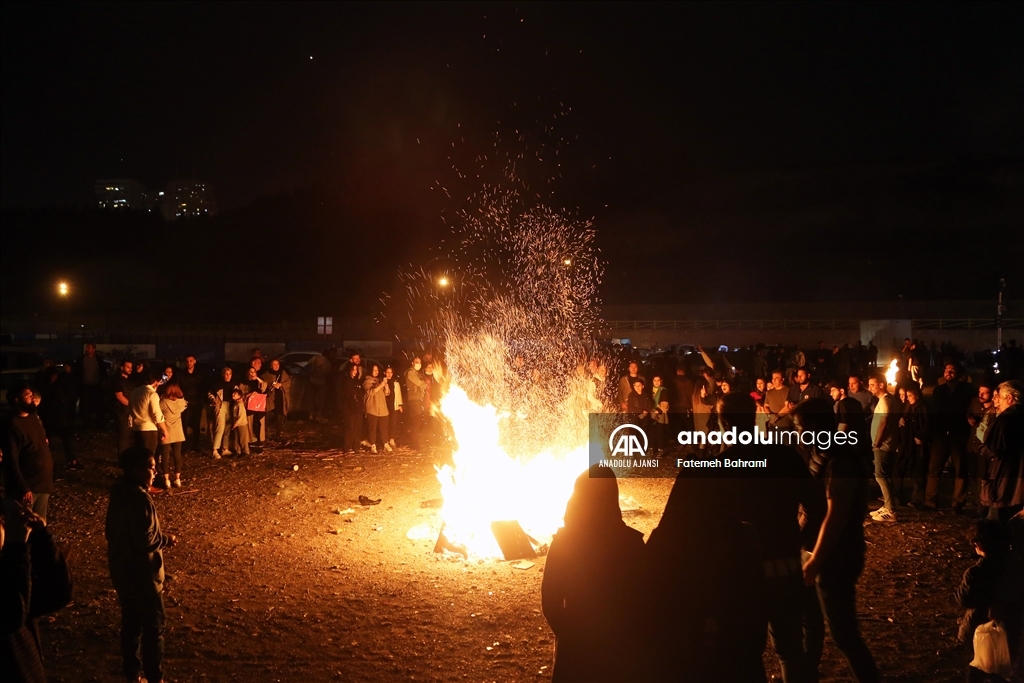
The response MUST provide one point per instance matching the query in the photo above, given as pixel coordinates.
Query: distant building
(187, 199)
(121, 194)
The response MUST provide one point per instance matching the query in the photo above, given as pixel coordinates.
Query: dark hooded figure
(588, 591)
(706, 617)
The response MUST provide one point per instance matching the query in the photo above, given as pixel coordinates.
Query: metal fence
(837, 324)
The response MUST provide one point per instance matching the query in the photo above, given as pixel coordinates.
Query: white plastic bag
(991, 649)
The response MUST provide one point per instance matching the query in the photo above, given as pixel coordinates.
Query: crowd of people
(158, 411)
(765, 571)
(909, 437)
(174, 409)
(783, 552)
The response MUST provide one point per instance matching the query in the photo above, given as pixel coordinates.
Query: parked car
(295, 361)
(20, 358)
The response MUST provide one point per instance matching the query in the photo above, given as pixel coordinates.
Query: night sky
(724, 150)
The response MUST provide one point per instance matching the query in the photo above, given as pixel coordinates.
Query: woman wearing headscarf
(588, 592)
(706, 618)
(377, 391)
(279, 387)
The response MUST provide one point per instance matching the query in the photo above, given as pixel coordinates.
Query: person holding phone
(255, 390)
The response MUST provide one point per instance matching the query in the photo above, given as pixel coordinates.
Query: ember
(514, 335)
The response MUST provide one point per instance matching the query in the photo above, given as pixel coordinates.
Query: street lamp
(64, 290)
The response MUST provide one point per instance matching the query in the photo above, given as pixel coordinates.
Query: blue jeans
(883, 475)
(40, 502)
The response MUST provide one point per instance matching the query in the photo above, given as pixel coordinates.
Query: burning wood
(444, 544)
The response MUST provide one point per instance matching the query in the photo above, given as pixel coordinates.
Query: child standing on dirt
(135, 552)
(983, 590)
(239, 424)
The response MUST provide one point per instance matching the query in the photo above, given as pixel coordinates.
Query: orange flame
(488, 485)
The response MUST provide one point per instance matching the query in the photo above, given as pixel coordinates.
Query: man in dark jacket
(121, 388)
(191, 383)
(134, 545)
(27, 463)
(55, 398)
(90, 375)
(1003, 447)
(950, 431)
(682, 400)
(416, 389)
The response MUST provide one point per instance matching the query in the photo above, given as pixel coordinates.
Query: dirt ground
(281, 575)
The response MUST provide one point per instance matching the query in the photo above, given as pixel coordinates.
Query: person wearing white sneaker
(884, 431)
(884, 515)
(377, 391)
(395, 403)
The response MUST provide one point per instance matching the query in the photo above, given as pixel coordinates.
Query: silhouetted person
(588, 594)
(706, 617)
(837, 560)
(991, 589)
(27, 462)
(682, 400)
(121, 388)
(89, 375)
(772, 504)
(34, 581)
(55, 397)
(950, 431)
(190, 379)
(134, 552)
(350, 394)
(911, 457)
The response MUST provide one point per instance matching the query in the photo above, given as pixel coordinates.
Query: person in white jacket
(395, 403)
(172, 405)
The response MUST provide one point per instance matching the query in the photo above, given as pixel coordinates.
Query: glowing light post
(64, 291)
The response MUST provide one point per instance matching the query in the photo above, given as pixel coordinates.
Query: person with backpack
(35, 580)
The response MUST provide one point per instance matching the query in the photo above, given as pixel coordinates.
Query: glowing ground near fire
(271, 583)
